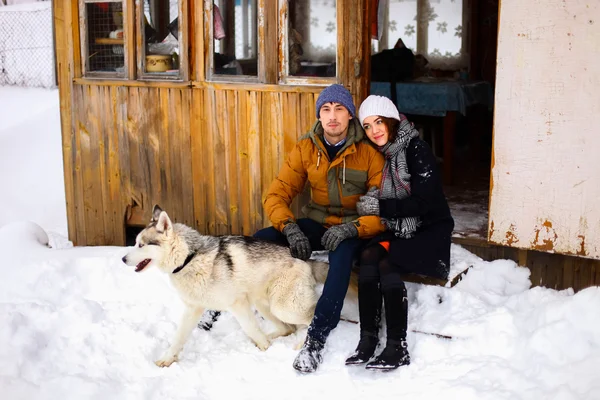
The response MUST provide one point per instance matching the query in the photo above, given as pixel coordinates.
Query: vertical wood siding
(144, 146)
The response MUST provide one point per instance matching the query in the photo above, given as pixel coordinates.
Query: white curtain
(433, 28)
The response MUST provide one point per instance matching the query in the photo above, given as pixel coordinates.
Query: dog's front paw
(283, 331)
(166, 361)
(263, 345)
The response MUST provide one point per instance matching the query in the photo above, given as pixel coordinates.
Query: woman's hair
(392, 125)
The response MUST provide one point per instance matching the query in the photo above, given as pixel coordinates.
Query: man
(340, 167)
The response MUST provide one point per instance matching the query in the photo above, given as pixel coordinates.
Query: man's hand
(336, 234)
(299, 244)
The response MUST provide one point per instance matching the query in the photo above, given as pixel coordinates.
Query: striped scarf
(395, 181)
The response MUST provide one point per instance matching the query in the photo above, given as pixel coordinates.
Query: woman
(412, 205)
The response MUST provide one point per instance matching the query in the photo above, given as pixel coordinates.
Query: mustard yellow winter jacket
(336, 185)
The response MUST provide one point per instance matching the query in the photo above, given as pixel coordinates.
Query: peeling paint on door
(546, 168)
(545, 237)
(511, 237)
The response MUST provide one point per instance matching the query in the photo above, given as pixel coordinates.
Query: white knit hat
(377, 105)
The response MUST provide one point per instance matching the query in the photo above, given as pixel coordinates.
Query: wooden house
(194, 105)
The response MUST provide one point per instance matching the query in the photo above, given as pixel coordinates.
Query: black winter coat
(428, 251)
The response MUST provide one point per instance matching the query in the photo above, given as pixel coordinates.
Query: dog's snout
(124, 259)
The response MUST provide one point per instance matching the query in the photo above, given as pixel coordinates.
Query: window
(234, 38)
(432, 28)
(103, 38)
(251, 40)
(109, 52)
(160, 37)
(293, 42)
(311, 36)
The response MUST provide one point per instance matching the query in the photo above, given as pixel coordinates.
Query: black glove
(336, 234)
(299, 244)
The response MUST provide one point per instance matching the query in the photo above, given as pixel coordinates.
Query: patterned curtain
(320, 31)
(433, 28)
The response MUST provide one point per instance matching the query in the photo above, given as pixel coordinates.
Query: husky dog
(228, 273)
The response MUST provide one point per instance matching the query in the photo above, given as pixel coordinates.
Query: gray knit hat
(377, 105)
(336, 94)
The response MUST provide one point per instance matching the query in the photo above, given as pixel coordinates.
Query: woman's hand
(369, 203)
(373, 192)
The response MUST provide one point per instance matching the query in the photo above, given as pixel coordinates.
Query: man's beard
(334, 133)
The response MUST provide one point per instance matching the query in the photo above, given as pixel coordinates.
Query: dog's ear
(156, 213)
(164, 224)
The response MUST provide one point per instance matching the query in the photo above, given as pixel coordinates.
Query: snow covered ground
(76, 323)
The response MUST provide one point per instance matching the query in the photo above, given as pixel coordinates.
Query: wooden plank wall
(554, 271)
(146, 145)
(239, 146)
(131, 147)
(66, 66)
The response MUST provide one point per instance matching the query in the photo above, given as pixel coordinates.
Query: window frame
(283, 77)
(182, 39)
(209, 46)
(84, 45)
(133, 46)
(272, 57)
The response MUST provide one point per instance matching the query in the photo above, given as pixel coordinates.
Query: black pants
(378, 279)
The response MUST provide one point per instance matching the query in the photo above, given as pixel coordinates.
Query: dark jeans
(329, 306)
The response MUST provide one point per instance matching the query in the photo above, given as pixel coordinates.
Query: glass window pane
(105, 37)
(235, 45)
(312, 38)
(160, 35)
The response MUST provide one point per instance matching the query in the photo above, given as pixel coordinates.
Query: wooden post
(449, 128)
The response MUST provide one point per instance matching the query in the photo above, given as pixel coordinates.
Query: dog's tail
(320, 270)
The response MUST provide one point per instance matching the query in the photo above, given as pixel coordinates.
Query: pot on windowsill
(158, 63)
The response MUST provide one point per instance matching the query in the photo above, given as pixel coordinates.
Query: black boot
(310, 355)
(369, 308)
(395, 300)
(365, 349)
(393, 356)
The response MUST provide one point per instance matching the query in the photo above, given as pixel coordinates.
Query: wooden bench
(428, 280)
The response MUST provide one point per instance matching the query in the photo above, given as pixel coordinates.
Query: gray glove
(369, 203)
(336, 234)
(299, 244)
